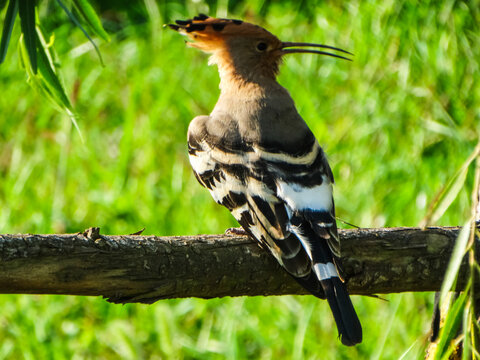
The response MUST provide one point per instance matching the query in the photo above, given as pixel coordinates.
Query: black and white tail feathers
(333, 290)
(326, 275)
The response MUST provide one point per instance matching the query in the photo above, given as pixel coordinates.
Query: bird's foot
(235, 231)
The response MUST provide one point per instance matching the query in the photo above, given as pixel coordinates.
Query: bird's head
(240, 48)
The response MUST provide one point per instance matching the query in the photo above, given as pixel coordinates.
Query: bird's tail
(335, 291)
(324, 281)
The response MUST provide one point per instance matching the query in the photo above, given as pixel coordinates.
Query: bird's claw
(235, 231)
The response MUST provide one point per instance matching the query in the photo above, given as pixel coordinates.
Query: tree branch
(148, 268)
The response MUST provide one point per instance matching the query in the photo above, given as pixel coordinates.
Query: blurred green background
(396, 123)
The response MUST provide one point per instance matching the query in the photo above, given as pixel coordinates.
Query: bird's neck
(247, 81)
(245, 88)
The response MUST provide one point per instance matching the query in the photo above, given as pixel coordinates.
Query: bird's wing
(284, 202)
(306, 187)
(273, 195)
(241, 180)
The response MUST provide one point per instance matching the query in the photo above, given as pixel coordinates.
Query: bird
(259, 159)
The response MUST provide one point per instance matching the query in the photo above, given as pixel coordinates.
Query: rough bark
(137, 268)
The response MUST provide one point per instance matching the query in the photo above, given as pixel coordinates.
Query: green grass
(396, 123)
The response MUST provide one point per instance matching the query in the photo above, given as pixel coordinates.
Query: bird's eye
(261, 46)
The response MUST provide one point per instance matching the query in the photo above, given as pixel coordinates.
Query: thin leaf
(77, 23)
(26, 10)
(90, 16)
(467, 331)
(450, 327)
(407, 352)
(33, 79)
(9, 21)
(49, 75)
(52, 80)
(455, 260)
(476, 192)
(47, 81)
(450, 192)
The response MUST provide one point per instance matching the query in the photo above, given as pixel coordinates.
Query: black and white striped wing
(269, 198)
(304, 183)
(253, 202)
(285, 202)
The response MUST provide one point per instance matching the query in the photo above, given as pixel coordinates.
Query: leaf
(47, 71)
(455, 260)
(9, 21)
(467, 331)
(407, 352)
(33, 79)
(90, 16)
(51, 79)
(47, 81)
(26, 10)
(450, 192)
(450, 327)
(77, 23)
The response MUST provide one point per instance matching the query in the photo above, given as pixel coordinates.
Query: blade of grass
(449, 195)
(90, 16)
(471, 327)
(26, 9)
(467, 340)
(297, 352)
(77, 23)
(383, 340)
(450, 327)
(476, 194)
(450, 192)
(407, 352)
(455, 260)
(9, 21)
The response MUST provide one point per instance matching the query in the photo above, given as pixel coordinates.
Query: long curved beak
(293, 51)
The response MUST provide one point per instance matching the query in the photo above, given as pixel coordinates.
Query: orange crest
(210, 33)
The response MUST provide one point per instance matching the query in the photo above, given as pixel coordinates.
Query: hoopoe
(258, 158)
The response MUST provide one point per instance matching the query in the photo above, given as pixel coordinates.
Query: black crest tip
(195, 27)
(201, 17)
(173, 26)
(183, 22)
